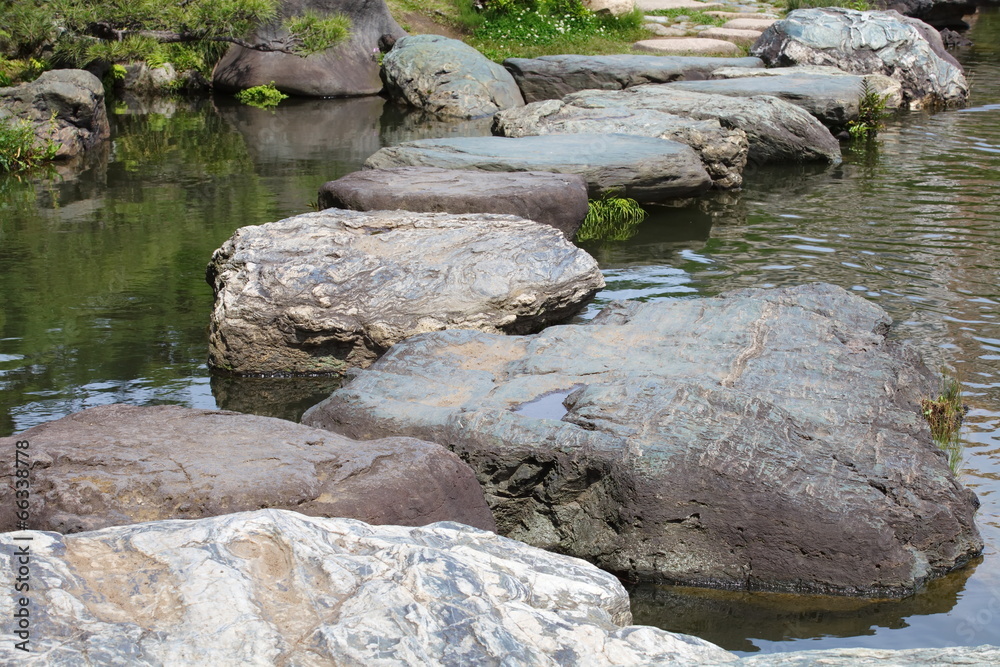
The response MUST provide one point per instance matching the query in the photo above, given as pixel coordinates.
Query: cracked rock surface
(121, 464)
(274, 587)
(762, 439)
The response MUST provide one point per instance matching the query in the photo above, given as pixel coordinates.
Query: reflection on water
(103, 297)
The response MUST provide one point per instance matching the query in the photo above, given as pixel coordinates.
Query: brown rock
(120, 464)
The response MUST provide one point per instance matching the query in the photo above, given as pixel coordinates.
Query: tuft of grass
(860, 5)
(20, 148)
(944, 415)
(871, 113)
(697, 17)
(611, 218)
(262, 97)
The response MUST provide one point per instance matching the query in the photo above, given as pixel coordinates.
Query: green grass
(611, 218)
(860, 5)
(694, 16)
(944, 415)
(262, 97)
(20, 149)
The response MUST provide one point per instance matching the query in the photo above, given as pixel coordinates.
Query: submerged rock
(887, 43)
(723, 151)
(447, 77)
(347, 69)
(558, 200)
(762, 439)
(554, 77)
(274, 587)
(645, 168)
(121, 464)
(65, 106)
(321, 291)
(777, 131)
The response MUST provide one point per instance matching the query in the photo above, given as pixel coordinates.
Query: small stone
(687, 45)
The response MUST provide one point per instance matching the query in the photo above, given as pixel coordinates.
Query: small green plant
(262, 97)
(693, 15)
(871, 113)
(611, 218)
(860, 5)
(19, 147)
(944, 415)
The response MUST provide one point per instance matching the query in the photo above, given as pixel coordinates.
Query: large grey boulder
(936, 13)
(964, 656)
(777, 131)
(723, 151)
(447, 77)
(65, 106)
(318, 292)
(762, 439)
(645, 168)
(554, 77)
(121, 464)
(868, 43)
(834, 100)
(558, 200)
(347, 69)
(274, 587)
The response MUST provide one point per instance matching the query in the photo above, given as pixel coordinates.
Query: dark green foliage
(262, 97)
(870, 115)
(611, 218)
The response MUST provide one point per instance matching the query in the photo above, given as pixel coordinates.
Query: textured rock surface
(688, 45)
(868, 43)
(723, 151)
(278, 588)
(763, 439)
(558, 200)
(966, 656)
(344, 70)
(121, 464)
(777, 131)
(616, 7)
(321, 291)
(832, 99)
(734, 35)
(648, 169)
(447, 77)
(936, 13)
(66, 106)
(554, 77)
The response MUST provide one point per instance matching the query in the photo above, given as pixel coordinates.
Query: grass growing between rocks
(693, 16)
(611, 218)
(944, 415)
(20, 149)
(860, 5)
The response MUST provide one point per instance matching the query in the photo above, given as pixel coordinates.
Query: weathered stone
(687, 45)
(320, 291)
(868, 43)
(833, 99)
(615, 7)
(447, 77)
(964, 656)
(776, 130)
(121, 464)
(936, 13)
(347, 69)
(653, 5)
(645, 168)
(65, 106)
(734, 35)
(743, 22)
(715, 441)
(723, 151)
(558, 200)
(275, 587)
(554, 77)
(663, 31)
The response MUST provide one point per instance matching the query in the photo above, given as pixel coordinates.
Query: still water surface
(103, 298)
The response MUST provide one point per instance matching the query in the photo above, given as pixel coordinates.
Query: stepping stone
(697, 45)
(646, 168)
(664, 31)
(655, 5)
(730, 35)
(558, 200)
(741, 15)
(748, 24)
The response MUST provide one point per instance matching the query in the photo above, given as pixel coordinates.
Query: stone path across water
(683, 34)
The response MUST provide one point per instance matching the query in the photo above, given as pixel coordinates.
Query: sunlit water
(103, 298)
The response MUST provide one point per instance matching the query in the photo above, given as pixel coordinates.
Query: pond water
(103, 297)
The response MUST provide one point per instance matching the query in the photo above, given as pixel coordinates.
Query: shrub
(262, 97)
(611, 218)
(944, 415)
(20, 148)
(871, 113)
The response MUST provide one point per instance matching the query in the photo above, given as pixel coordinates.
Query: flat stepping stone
(320, 292)
(645, 168)
(731, 35)
(696, 45)
(664, 31)
(833, 99)
(741, 15)
(655, 5)
(558, 200)
(749, 24)
(554, 77)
